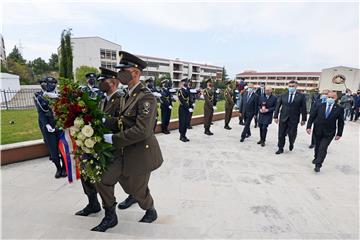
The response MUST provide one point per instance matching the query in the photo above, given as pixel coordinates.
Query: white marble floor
(210, 187)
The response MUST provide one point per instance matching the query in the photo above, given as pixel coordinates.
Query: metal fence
(21, 99)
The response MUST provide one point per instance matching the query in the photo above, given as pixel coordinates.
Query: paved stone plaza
(211, 187)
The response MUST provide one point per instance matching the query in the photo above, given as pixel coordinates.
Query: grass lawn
(26, 128)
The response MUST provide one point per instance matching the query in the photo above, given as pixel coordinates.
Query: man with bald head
(248, 110)
(328, 119)
(267, 104)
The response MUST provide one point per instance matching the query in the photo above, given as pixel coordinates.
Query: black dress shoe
(313, 161)
(150, 216)
(189, 127)
(241, 139)
(317, 169)
(227, 127)
(110, 220)
(89, 209)
(58, 173)
(279, 151)
(263, 144)
(291, 147)
(208, 133)
(130, 200)
(259, 142)
(311, 146)
(186, 139)
(63, 172)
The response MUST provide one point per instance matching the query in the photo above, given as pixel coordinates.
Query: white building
(94, 52)
(339, 78)
(306, 80)
(179, 69)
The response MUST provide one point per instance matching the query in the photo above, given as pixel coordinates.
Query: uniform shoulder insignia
(146, 108)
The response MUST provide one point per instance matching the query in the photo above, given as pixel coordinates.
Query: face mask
(267, 94)
(43, 86)
(323, 98)
(330, 101)
(51, 87)
(291, 89)
(249, 89)
(104, 86)
(125, 77)
(91, 82)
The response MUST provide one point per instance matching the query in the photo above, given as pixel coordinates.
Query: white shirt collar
(133, 88)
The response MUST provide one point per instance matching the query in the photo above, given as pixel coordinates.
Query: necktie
(248, 97)
(328, 110)
(291, 98)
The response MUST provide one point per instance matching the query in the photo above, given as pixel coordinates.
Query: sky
(248, 35)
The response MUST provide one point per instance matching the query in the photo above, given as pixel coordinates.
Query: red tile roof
(278, 73)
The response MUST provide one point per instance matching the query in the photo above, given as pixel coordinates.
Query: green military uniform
(137, 151)
(229, 104)
(208, 108)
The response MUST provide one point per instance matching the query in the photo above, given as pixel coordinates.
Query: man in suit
(267, 104)
(229, 104)
(137, 151)
(260, 91)
(316, 101)
(328, 120)
(184, 109)
(165, 105)
(108, 84)
(209, 107)
(249, 110)
(290, 105)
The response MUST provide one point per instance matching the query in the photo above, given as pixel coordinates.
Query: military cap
(184, 80)
(106, 74)
(48, 80)
(208, 80)
(164, 81)
(149, 80)
(128, 60)
(90, 75)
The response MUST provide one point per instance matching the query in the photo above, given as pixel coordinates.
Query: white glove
(170, 107)
(191, 110)
(49, 128)
(51, 94)
(214, 107)
(108, 138)
(193, 104)
(156, 94)
(103, 120)
(217, 91)
(237, 91)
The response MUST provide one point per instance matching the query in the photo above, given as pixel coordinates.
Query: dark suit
(314, 105)
(184, 114)
(325, 128)
(248, 109)
(289, 116)
(265, 119)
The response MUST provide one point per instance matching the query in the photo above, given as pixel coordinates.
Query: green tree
(16, 56)
(81, 71)
(66, 57)
(39, 66)
(54, 62)
(22, 70)
(225, 76)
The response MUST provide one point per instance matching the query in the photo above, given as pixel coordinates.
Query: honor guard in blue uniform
(46, 122)
(150, 84)
(184, 109)
(91, 87)
(193, 93)
(166, 106)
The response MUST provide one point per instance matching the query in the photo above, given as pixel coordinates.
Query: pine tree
(66, 57)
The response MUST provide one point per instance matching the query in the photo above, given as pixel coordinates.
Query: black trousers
(89, 188)
(287, 128)
(322, 143)
(183, 120)
(312, 138)
(246, 131)
(263, 131)
(189, 119)
(165, 116)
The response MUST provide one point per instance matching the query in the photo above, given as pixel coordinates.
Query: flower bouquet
(81, 143)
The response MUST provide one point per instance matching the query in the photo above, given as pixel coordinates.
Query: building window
(113, 55)
(102, 53)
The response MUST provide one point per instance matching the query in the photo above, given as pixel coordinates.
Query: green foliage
(22, 70)
(16, 56)
(278, 91)
(81, 71)
(54, 62)
(39, 67)
(225, 76)
(66, 57)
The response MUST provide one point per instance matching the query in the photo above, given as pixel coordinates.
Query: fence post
(6, 103)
